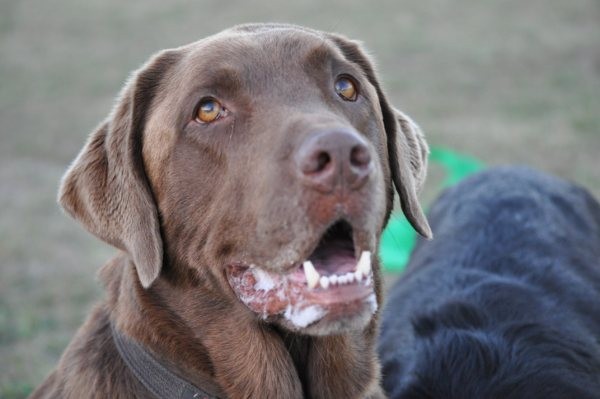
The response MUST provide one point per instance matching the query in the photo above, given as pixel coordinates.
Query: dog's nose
(334, 158)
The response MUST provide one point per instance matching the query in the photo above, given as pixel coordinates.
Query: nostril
(359, 156)
(323, 158)
(315, 162)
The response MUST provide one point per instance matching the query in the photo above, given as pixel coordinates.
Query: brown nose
(334, 158)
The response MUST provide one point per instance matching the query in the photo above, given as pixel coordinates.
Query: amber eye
(346, 88)
(209, 110)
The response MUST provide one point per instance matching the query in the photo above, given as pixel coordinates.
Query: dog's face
(260, 161)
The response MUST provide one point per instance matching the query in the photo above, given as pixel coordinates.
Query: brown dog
(246, 179)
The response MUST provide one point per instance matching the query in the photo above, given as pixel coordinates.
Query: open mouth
(333, 282)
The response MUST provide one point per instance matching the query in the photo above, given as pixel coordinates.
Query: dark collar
(163, 383)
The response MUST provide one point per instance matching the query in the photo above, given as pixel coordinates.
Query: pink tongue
(334, 262)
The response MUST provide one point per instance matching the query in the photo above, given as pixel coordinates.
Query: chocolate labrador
(246, 179)
(505, 302)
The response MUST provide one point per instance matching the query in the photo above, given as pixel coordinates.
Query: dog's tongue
(335, 252)
(333, 260)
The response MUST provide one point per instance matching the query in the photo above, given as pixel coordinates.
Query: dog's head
(260, 161)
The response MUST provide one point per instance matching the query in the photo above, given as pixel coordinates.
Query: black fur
(505, 301)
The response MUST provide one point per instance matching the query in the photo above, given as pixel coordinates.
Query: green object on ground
(457, 166)
(398, 238)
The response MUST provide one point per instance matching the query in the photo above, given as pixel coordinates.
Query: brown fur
(181, 201)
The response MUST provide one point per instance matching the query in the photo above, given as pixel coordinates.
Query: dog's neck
(218, 346)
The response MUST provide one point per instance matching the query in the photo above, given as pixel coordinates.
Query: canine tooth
(312, 275)
(364, 263)
(324, 281)
(333, 279)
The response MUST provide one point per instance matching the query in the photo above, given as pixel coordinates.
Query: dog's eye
(346, 88)
(209, 110)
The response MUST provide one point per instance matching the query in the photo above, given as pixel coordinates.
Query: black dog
(505, 301)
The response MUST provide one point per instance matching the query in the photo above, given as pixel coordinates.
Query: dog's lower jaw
(335, 326)
(341, 299)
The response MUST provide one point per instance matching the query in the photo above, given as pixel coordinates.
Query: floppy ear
(419, 150)
(407, 150)
(106, 188)
(408, 153)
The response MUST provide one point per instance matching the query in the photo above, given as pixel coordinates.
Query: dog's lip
(270, 295)
(289, 296)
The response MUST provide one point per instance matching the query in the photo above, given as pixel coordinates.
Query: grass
(504, 82)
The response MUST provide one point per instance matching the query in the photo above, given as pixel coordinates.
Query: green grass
(503, 82)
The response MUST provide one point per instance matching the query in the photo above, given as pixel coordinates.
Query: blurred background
(500, 82)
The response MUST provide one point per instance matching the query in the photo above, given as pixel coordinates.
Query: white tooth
(324, 281)
(333, 279)
(312, 275)
(364, 263)
(344, 279)
(350, 277)
(358, 275)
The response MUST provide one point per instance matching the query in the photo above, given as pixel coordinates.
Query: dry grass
(506, 82)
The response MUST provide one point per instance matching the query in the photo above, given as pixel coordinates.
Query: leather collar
(157, 378)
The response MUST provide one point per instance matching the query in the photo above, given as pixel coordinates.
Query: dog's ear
(407, 149)
(410, 140)
(418, 148)
(106, 188)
